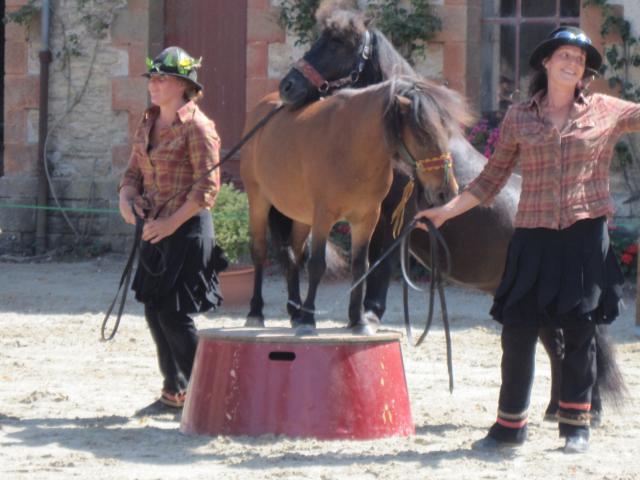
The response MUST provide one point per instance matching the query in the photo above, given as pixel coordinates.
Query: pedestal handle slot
(282, 356)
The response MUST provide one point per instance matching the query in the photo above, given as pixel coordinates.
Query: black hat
(176, 62)
(566, 36)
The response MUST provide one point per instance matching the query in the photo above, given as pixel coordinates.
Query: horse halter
(324, 86)
(443, 161)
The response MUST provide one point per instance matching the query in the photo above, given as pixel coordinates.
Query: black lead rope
(125, 279)
(436, 242)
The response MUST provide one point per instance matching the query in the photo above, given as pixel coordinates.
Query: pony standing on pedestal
(333, 160)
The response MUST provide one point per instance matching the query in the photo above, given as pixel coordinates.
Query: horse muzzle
(294, 90)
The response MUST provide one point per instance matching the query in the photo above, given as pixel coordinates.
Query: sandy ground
(68, 402)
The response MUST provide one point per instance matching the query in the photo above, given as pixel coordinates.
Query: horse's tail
(610, 381)
(281, 226)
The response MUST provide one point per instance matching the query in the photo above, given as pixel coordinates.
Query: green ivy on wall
(617, 65)
(618, 59)
(407, 28)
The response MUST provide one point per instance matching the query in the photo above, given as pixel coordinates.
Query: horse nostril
(286, 86)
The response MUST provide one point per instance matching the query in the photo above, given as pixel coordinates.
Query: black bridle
(324, 86)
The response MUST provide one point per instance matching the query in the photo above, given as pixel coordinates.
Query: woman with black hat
(174, 145)
(560, 270)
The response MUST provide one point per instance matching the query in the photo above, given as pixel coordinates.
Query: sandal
(171, 399)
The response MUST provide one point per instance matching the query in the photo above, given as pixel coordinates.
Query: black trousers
(175, 336)
(518, 367)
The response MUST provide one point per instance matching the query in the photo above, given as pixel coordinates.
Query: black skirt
(178, 274)
(556, 276)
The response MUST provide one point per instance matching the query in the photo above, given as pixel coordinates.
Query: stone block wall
(96, 97)
(88, 146)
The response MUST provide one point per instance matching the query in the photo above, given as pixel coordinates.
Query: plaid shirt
(565, 175)
(185, 151)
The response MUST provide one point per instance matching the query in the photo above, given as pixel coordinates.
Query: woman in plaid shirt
(174, 146)
(560, 270)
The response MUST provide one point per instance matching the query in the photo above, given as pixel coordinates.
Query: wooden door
(217, 31)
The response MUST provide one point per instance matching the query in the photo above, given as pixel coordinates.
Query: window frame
(517, 20)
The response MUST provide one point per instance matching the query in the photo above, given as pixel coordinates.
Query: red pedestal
(268, 381)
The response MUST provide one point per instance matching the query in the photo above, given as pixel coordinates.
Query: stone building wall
(96, 97)
(89, 145)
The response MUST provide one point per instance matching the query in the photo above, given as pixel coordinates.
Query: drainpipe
(43, 185)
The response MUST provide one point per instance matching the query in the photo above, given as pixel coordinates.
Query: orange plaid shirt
(565, 175)
(184, 153)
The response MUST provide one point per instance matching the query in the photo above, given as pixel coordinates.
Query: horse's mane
(437, 112)
(349, 25)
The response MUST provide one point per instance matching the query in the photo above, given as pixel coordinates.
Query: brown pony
(331, 161)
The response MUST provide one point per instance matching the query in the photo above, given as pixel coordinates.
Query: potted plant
(231, 225)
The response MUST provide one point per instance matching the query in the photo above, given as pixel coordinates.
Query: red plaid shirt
(184, 153)
(565, 175)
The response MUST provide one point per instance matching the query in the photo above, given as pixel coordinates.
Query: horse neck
(366, 108)
(387, 59)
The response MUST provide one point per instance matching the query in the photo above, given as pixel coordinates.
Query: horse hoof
(254, 322)
(368, 325)
(367, 330)
(305, 330)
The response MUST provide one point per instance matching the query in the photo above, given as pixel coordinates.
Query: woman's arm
(485, 187)
(454, 207)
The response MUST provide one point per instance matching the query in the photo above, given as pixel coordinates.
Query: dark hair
(539, 84)
(191, 92)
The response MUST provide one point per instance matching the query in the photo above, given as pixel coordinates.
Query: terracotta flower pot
(236, 284)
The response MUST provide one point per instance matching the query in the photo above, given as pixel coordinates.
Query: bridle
(324, 86)
(443, 162)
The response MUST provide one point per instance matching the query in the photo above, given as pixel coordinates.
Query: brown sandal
(175, 400)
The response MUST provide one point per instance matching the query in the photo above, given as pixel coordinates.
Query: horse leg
(375, 300)
(299, 235)
(258, 221)
(305, 323)
(553, 343)
(361, 231)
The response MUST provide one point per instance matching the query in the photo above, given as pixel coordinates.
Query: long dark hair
(539, 84)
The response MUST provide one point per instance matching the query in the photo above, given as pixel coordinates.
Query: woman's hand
(155, 230)
(438, 215)
(456, 206)
(126, 212)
